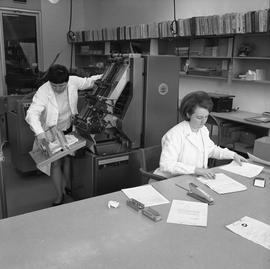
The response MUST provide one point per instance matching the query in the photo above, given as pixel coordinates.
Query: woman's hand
(239, 159)
(207, 173)
(42, 141)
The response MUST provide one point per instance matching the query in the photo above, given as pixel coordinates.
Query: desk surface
(240, 116)
(86, 234)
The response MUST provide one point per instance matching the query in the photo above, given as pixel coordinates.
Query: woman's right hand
(42, 141)
(206, 173)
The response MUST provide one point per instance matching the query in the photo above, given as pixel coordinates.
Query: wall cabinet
(234, 57)
(251, 60)
(92, 57)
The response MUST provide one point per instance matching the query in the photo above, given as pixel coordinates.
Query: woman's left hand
(239, 159)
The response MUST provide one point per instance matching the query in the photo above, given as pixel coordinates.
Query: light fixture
(54, 1)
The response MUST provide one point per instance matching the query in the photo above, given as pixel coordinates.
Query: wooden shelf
(88, 67)
(210, 57)
(91, 54)
(183, 74)
(251, 58)
(252, 81)
(230, 64)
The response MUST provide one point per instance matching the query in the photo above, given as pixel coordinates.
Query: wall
(92, 12)
(55, 23)
(129, 12)
(122, 12)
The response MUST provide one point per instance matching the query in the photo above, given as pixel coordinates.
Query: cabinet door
(21, 50)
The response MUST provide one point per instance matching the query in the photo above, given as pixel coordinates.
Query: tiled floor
(25, 193)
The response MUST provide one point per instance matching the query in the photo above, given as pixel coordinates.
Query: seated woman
(187, 146)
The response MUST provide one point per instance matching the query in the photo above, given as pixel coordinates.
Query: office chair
(219, 138)
(150, 161)
(212, 121)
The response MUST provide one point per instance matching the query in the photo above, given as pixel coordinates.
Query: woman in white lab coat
(187, 146)
(53, 105)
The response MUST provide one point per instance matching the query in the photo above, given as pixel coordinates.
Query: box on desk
(262, 148)
(221, 102)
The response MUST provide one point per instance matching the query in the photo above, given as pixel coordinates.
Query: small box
(262, 148)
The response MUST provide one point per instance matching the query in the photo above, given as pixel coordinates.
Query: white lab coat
(180, 150)
(43, 112)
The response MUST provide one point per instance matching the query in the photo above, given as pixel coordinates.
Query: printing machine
(132, 106)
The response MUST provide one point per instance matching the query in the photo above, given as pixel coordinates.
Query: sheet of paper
(146, 194)
(246, 169)
(223, 184)
(253, 230)
(188, 213)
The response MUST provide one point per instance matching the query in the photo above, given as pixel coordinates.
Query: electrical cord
(174, 26)
(71, 35)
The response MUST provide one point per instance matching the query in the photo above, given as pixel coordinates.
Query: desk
(86, 234)
(240, 116)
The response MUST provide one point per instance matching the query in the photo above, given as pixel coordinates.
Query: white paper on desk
(246, 169)
(253, 230)
(222, 184)
(188, 213)
(145, 194)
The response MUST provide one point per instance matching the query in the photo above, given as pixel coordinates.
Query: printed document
(253, 230)
(222, 184)
(188, 213)
(145, 194)
(246, 169)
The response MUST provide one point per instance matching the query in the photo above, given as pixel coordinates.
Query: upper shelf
(251, 58)
(91, 54)
(252, 81)
(210, 57)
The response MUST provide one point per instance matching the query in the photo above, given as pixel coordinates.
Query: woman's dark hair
(193, 100)
(58, 74)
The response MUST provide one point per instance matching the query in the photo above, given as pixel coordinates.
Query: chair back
(150, 157)
(211, 122)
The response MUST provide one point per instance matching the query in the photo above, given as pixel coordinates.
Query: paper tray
(42, 159)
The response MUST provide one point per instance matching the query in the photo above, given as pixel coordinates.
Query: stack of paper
(246, 169)
(223, 184)
(55, 146)
(253, 230)
(188, 213)
(146, 195)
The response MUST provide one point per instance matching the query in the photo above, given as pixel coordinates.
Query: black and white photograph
(134, 134)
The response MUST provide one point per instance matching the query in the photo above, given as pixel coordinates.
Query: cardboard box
(262, 148)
